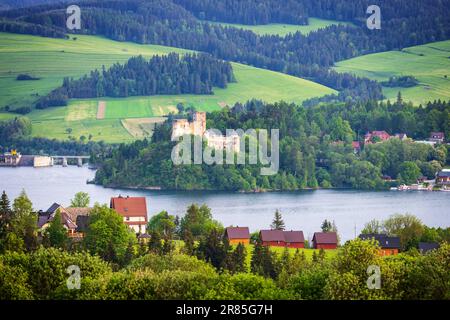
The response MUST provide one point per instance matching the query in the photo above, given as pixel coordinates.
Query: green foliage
(107, 235)
(409, 173)
(277, 223)
(163, 223)
(198, 220)
(408, 227)
(81, 199)
(55, 235)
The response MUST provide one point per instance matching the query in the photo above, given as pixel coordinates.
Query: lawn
(429, 63)
(53, 59)
(284, 29)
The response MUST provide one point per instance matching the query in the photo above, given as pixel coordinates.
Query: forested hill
(170, 74)
(315, 149)
(171, 23)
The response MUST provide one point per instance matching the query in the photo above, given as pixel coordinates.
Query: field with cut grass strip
(429, 63)
(53, 59)
(282, 29)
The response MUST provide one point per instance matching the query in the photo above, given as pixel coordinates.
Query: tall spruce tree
(277, 223)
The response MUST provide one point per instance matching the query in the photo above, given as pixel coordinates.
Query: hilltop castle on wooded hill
(197, 127)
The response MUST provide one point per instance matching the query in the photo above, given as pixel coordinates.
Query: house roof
(130, 206)
(443, 174)
(437, 135)
(55, 206)
(325, 237)
(272, 235)
(294, 236)
(237, 233)
(385, 241)
(74, 212)
(428, 246)
(356, 144)
(279, 235)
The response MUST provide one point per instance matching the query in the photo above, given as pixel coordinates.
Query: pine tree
(129, 254)
(5, 217)
(326, 226)
(154, 245)
(239, 258)
(143, 249)
(277, 223)
(168, 247)
(256, 264)
(188, 243)
(314, 257)
(321, 256)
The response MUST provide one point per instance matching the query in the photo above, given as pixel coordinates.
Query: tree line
(170, 74)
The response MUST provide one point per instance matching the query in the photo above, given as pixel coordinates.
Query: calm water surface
(301, 210)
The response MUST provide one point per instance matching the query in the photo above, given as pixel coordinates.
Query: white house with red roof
(133, 210)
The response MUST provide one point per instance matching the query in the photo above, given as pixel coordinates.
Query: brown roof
(325, 237)
(130, 206)
(272, 235)
(294, 236)
(237, 233)
(74, 212)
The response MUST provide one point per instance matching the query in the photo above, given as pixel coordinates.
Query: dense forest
(170, 74)
(315, 149)
(167, 23)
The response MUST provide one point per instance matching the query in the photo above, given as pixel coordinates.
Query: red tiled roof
(294, 236)
(325, 237)
(237, 233)
(130, 206)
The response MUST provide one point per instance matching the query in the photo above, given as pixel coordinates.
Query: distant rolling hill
(429, 63)
(52, 59)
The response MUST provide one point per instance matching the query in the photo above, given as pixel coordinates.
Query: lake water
(301, 210)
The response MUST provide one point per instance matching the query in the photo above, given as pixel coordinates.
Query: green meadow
(429, 63)
(282, 29)
(53, 59)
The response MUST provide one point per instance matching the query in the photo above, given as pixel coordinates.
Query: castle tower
(199, 123)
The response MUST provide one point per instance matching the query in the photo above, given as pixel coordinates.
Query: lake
(304, 210)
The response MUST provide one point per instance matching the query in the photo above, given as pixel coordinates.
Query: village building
(280, 238)
(237, 235)
(437, 137)
(389, 245)
(133, 210)
(197, 127)
(401, 136)
(10, 159)
(356, 147)
(74, 219)
(425, 247)
(381, 135)
(294, 239)
(325, 240)
(443, 177)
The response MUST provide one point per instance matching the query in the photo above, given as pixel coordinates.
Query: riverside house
(133, 210)
(389, 245)
(237, 235)
(325, 240)
(280, 238)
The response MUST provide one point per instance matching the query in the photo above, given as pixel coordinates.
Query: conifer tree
(277, 223)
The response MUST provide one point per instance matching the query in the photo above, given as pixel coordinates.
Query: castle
(197, 127)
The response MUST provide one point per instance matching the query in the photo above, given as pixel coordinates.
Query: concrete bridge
(64, 159)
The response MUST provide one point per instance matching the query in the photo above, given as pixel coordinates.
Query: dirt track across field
(101, 109)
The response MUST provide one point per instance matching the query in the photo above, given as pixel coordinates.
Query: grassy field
(52, 59)
(429, 63)
(284, 29)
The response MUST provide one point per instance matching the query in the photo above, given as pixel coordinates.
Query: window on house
(127, 218)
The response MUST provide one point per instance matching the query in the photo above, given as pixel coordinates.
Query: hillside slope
(429, 63)
(52, 59)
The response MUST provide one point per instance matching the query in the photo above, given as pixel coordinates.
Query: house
(75, 220)
(425, 247)
(381, 135)
(237, 235)
(294, 239)
(443, 177)
(325, 240)
(388, 245)
(401, 136)
(133, 210)
(10, 158)
(273, 238)
(437, 137)
(356, 147)
(280, 238)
